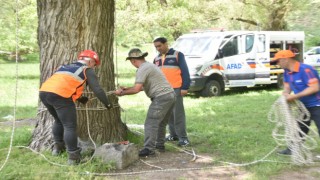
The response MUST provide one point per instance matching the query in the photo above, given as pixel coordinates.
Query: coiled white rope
(287, 117)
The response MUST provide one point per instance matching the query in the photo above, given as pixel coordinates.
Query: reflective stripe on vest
(68, 81)
(171, 69)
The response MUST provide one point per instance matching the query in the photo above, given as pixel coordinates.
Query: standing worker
(58, 94)
(174, 67)
(150, 79)
(304, 81)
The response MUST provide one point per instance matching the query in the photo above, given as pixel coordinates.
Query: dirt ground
(180, 165)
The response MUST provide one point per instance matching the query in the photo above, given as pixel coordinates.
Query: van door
(239, 60)
(262, 69)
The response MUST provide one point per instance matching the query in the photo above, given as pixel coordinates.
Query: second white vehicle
(312, 57)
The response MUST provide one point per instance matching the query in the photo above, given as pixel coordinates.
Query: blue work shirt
(301, 78)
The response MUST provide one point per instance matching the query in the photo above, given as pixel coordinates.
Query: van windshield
(196, 46)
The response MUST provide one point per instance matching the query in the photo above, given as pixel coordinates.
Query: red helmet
(90, 54)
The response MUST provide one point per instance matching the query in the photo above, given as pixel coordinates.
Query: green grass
(23, 164)
(231, 128)
(23, 91)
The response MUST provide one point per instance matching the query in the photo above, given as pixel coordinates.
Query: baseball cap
(283, 54)
(136, 53)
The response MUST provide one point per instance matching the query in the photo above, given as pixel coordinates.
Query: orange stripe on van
(217, 66)
(252, 65)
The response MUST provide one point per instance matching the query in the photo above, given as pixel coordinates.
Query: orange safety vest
(170, 67)
(68, 81)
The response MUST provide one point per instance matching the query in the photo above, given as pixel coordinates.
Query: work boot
(74, 157)
(172, 138)
(161, 148)
(58, 148)
(183, 142)
(285, 152)
(146, 152)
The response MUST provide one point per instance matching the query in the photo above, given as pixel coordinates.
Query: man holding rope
(304, 81)
(150, 79)
(58, 94)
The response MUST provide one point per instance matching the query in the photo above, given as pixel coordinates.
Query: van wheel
(212, 88)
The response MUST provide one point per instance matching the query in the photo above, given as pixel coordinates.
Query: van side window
(249, 42)
(314, 51)
(231, 48)
(261, 43)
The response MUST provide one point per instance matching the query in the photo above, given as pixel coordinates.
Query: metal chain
(287, 117)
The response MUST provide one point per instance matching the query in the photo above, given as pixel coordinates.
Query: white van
(226, 59)
(312, 57)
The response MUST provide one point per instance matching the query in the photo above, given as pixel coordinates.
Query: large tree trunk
(65, 29)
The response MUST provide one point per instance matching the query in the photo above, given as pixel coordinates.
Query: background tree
(65, 29)
(148, 19)
(27, 26)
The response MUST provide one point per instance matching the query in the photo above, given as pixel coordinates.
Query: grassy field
(232, 128)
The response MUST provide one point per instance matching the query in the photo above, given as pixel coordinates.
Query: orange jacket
(170, 68)
(68, 81)
(169, 65)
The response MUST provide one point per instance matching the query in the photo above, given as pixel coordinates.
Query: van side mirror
(220, 54)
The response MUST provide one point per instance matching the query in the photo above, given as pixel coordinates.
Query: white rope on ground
(16, 89)
(42, 155)
(152, 171)
(192, 153)
(158, 167)
(287, 131)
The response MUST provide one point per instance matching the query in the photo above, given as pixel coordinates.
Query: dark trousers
(315, 116)
(65, 125)
(177, 121)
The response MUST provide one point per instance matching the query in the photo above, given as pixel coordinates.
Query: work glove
(83, 99)
(109, 106)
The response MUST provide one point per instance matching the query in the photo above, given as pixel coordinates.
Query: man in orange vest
(59, 92)
(174, 67)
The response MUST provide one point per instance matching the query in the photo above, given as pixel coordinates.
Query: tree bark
(64, 29)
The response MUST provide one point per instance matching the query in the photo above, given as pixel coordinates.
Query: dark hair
(160, 39)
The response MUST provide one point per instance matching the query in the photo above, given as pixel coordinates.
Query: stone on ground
(122, 155)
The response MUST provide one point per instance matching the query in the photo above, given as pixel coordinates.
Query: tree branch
(246, 21)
